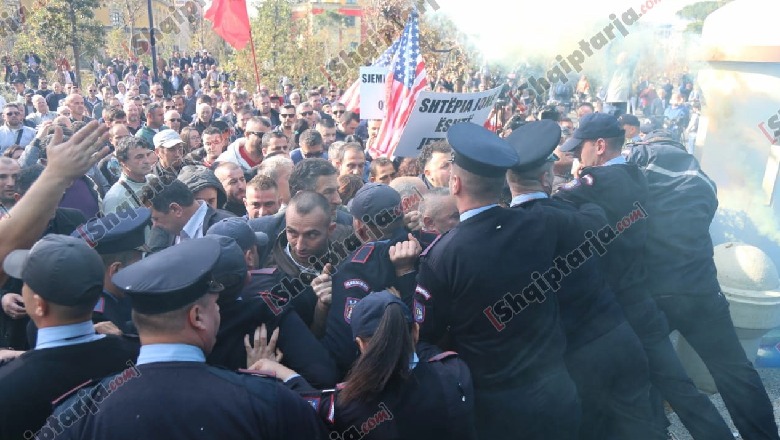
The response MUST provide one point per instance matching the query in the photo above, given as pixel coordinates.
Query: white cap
(167, 139)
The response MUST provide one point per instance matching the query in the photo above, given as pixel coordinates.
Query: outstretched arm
(67, 161)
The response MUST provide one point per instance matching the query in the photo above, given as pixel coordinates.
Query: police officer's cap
(369, 311)
(60, 269)
(117, 232)
(171, 278)
(479, 150)
(594, 126)
(239, 230)
(377, 203)
(230, 270)
(535, 143)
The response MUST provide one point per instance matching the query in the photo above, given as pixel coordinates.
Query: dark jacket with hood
(681, 203)
(196, 178)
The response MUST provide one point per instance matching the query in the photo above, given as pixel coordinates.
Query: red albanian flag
(230, 20)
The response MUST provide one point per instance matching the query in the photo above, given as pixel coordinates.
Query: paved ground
(771, 378)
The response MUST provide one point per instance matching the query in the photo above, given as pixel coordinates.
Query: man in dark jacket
(176, 214)
(682, 277)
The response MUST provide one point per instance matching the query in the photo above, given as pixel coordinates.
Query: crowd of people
(185, 258)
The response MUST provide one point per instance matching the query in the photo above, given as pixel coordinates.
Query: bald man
(438, 211)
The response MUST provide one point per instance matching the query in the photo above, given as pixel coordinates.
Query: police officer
(621, 190)
(613, 384)
(119, 239)
(173, 393)
(390, 392)
(388, 258)
(63, 279)
(521, 384)
(248, 303)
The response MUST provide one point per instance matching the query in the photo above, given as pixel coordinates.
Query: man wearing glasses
(306, 112)
(173, 120)
(13, 132)
(91, 100)
(247, 152)
(311, 147)
(287, 117)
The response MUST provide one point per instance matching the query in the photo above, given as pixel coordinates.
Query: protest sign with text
(435, 113)
(372, 92)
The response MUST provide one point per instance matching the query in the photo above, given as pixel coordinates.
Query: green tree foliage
(56, 26)
(697, 12)
(285, 49)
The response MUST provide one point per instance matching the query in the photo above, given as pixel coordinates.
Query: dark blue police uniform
(613, 384)
(258, 304)
(621, 190)
(367, 269)
(506, 328)
(435, 400)
(172, 392)
(114, 234)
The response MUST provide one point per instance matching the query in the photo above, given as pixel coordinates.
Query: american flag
(405, 81)
(351, 98)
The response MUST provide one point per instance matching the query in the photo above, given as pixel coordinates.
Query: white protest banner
(372, 92)
(434, 113)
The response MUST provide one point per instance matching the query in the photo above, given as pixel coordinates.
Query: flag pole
(254, 59)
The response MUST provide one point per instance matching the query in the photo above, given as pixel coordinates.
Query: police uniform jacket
(463, 290)
(187, 400)
(116, 310)
(681, 203)
(367, 269)
(621, 190)
(587, 304)
(263, 301)
(435, 402)
(29, 384)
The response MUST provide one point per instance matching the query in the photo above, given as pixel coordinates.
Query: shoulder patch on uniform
(419, 312)
(588, 180)
(264, 271)
(430, 246)
(100, 306)
(362, 254)
(349, 304)
(356, 282)
(442, 356)
(424, 293)
(313, 401)
(76, 389)
(259, 373)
